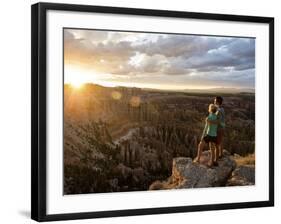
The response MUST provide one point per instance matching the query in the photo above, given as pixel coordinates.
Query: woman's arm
(204, 131)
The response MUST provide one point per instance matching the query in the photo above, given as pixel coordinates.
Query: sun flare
(77, 77)
(77, 84)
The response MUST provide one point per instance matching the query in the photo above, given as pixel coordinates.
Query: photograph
(147, 111)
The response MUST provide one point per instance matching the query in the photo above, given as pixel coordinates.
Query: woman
(209, 136)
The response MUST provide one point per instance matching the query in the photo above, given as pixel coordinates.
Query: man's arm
(216, 121)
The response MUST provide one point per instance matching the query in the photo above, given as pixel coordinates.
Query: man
(221, 125)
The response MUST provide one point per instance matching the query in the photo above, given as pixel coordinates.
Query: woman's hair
(212, 108)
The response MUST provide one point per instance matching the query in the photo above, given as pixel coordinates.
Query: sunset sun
(77, 77)
(76, 83)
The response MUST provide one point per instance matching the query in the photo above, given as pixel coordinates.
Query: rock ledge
(186, 174)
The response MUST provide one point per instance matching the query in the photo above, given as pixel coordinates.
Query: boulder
(243, 175)
(187, 174)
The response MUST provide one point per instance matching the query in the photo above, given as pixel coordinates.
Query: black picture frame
(38, 110)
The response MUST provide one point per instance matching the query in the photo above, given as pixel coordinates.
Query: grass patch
(245, 160)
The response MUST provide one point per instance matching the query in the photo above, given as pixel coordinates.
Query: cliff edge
(187, 174)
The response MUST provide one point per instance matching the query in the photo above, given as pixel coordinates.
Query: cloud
(182, 45)
(205, 53)
(86, 51)
(189, 57)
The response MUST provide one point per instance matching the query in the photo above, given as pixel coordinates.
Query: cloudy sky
(163, 61)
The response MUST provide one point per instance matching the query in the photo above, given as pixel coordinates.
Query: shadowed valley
(120, 139)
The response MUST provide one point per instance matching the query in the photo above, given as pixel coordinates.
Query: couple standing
(213, 133)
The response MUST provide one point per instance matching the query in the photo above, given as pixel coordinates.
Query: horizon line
(167, 89)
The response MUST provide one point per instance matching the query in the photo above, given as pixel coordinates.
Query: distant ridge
(210, 90)
(221, 90)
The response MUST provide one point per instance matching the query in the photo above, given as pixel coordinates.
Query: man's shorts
(220, 135)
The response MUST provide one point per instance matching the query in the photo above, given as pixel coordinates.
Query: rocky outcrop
(242, 176)
(187, 174)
